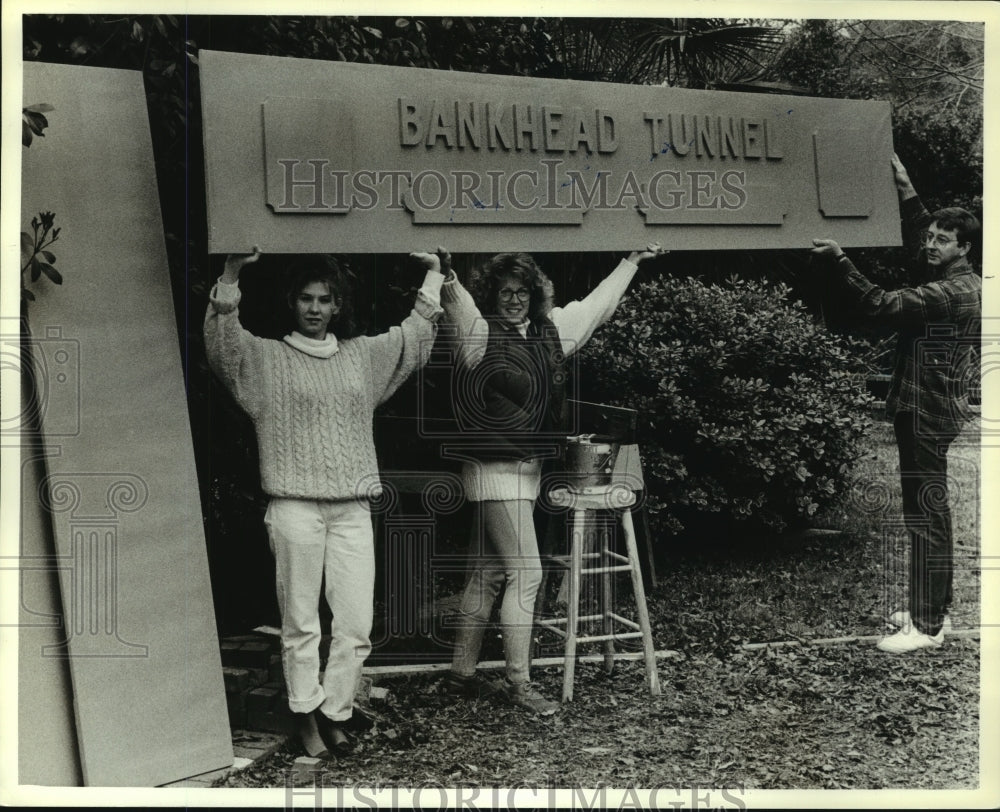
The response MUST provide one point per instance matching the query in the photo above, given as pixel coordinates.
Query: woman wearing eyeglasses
(938, 325)
(511, 394)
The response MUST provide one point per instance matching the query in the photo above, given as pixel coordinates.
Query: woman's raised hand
(427, 260)
(652, 250)
(445, 256)
(235, 263)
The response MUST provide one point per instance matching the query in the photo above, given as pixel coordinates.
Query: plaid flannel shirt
(939, 327)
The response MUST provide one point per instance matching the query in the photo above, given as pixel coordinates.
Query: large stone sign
(305, 155)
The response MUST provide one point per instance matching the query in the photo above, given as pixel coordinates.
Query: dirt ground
(731, 713)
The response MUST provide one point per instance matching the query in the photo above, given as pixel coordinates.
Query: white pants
(311, 540)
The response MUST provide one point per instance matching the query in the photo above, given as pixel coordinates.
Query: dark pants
(923, 469)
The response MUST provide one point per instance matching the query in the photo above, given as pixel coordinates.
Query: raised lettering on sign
(515, 127)
(722, 137)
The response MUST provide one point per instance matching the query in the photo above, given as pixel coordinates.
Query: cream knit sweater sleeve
(472, 331)
(577, 321)
(397, 353)
(234, 354)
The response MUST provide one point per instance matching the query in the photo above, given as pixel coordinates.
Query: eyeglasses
(507, 295)
(938, 240)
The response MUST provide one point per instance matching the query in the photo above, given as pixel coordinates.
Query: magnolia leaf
(50, 272)
(36, 121)
(36, 270)
(27, 294)
(49, 256)
(27, 244)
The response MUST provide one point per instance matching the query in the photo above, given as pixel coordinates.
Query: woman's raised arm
(397, 353)
(577, 320)
(234, 354)
(472, 331)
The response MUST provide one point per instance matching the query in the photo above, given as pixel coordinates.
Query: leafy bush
(750, 412)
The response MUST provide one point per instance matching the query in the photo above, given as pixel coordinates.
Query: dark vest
(513, 403)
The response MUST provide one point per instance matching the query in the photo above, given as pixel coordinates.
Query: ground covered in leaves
(800, 715)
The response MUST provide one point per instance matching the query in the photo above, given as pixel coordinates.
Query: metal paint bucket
(590, 460)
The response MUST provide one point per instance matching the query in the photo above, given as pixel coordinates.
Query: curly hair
(325, 268)
(484, 283)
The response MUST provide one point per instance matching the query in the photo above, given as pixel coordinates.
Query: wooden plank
(141, 640)
(837, 641)
(310, 155)
(495, 665)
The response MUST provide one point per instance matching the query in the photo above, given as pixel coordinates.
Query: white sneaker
(909, 639)
(901, 620)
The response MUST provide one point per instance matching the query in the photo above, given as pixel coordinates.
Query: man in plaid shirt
(939, 327)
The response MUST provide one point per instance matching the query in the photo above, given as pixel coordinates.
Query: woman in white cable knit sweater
(511, 394)
(311, 398)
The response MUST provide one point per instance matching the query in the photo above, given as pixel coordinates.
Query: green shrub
(750, 412)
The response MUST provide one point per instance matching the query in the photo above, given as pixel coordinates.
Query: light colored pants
(312, 540)
(503, 549)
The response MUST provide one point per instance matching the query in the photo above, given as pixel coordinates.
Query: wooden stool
(617, 499)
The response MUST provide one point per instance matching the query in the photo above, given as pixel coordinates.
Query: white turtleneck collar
(313, 346)
(521, 327)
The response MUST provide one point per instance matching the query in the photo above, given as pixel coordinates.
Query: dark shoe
(473, 687)
(526, 696)
(309, 735)
(333, 733)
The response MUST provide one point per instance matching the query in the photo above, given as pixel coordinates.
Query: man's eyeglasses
(937, 240)
(507, 295)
